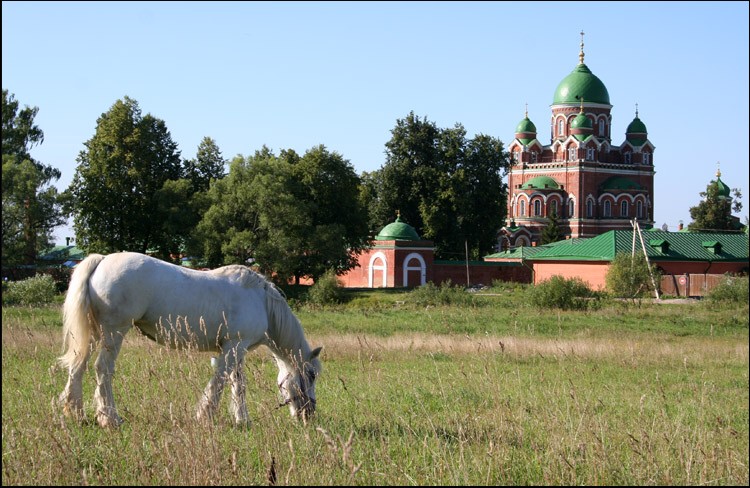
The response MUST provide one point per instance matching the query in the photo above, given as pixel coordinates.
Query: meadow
(487, 392)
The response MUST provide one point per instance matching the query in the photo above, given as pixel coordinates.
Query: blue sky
(298, 74)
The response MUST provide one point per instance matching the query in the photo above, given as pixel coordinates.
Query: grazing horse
(230, 310)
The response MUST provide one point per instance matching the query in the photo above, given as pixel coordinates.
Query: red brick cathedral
(591, 185)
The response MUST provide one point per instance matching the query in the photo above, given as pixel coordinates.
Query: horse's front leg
(234, 354)
(106, 412)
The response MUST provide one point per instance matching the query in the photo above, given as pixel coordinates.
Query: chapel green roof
(541, 183)
(581, 83)
(724, 190)
(398, 231)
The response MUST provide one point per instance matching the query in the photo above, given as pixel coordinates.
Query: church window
(560, 128)
(601, 127)
(572, 154)
(533, 156)
(639, 209)
(590, 154)
(624, 208)
(607, 208)
(589, 209)
(646, 158)
(537, 208)
(627, 157)
(553, 207)
(522, 211)
(571, 209)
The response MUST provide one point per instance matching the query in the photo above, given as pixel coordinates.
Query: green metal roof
(526, 125)
(636, 127)
(724, 190)
(682, 246)
(63, 253)
(581, 82)
(540, 182)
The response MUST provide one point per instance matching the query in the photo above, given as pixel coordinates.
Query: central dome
(581, 83)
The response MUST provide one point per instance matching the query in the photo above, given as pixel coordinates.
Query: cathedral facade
(581, 179)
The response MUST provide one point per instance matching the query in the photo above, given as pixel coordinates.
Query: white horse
(231, 310)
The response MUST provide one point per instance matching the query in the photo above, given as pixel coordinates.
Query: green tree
(551, 232)
(714, 212)
(329, 187)
(448, 187)
(31, 205)
(208, 165)
(119, 174)
(629, 276)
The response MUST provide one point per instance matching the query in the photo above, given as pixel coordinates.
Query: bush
(731, 289)
(629, 276)
(563, 293)
(326, 290)
(37, 290)
(431, 294)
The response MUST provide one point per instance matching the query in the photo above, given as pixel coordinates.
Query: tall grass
(531, 398)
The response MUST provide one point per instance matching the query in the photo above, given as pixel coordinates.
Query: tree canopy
(115, 190)
(448, 187)
(714, 212)
(31, 205)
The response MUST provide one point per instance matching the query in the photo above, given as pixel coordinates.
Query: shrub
(629, 277)
(431, 294)
(326, 290)
(731, 289)
(37, 290)
(563, 293)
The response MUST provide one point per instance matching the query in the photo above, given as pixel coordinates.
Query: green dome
(619, 183)
(723, 188)
(581, 83)
(541, 183)
(526, 131)
(636, 127)
(398, 231)
(526, 125)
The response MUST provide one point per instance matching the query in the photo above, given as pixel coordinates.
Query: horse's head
(297, 386)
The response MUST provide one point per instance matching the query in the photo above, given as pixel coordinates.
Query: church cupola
(581, 127)
(579, 84)
(526, 130)
(636, 133)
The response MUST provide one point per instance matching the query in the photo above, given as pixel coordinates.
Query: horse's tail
(78, 326)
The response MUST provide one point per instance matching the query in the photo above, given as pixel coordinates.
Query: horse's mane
(288, 326)
(243, 275)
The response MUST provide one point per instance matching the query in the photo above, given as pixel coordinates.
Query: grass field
(492, 393)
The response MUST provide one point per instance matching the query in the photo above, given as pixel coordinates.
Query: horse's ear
(315, 352)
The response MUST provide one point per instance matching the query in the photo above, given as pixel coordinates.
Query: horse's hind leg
(211, 395)
(71, 397)
(106, 413)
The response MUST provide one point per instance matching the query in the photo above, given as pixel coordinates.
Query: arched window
(607, 208)
(627, 157)
(522, 208)
(601, 127)
(639, 209)
(589, 209)
(553, 208)
(571, 209)
(537, 208)
(646, 158)
(560, 126)
(624, 208)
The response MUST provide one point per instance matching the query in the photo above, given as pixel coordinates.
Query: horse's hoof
(108, 421)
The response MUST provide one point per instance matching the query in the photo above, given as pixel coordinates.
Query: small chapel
(583, 177)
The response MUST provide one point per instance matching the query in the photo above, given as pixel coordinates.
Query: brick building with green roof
(592, 184)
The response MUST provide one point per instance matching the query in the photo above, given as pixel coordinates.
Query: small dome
(398, 231)
(581, 83)
(724, 190)
(581, 127)
(540, 183)
(619, 183)
(526, 125)
(636, 127)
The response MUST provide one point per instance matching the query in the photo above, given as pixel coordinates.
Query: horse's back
(130, 287)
